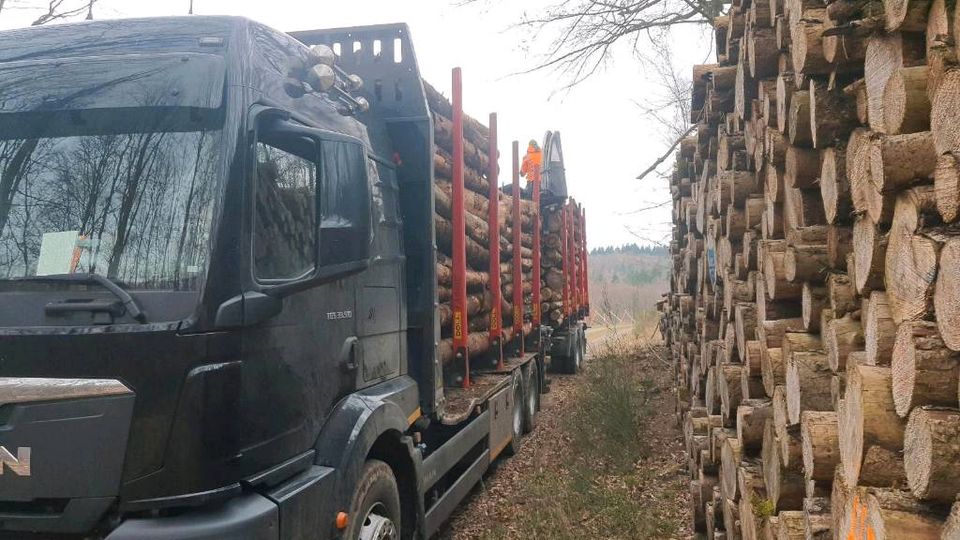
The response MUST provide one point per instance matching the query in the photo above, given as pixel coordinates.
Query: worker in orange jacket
(530, 168)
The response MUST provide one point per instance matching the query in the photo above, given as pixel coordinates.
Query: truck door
(310, 236)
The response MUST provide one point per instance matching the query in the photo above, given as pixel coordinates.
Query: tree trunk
(729, 463)
(813, 301)
(880, 331)
(946, 181)
(729, 388)
(834, 186)
(906, 105)
(870, 251)
(802, 169)
(833, 115)
(798, 123)
(752, 415)
(784, 484)
(947, 294)
(808, 384)
(925, 371)
(896, 161)
(870, 431)
(820, 445)
(887, 53)
(806, 262)
(841, 337)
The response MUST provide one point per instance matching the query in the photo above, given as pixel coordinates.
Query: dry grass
(608, 462)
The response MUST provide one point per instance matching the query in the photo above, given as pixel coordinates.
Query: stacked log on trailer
(557, 282)
(480, 299)
(814, 310)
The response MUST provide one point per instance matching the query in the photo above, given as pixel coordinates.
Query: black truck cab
(218, 287)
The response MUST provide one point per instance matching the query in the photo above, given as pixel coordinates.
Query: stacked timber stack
(480, 299)
(553, 279)
(814, 311)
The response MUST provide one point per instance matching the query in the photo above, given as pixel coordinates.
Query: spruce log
(784, 483)
(890, 514)
(730, 456)
(906, 105)
(911, 259)
(887, 53)
(870, 251)
(798, 122)
(925, 371)
(946, 181)
(807, 46)
(729, 387)
(808, 384)
(906, 15)
(802, 168)
(951, 529)
(896, 161)
(820, 445)
(842, 293)
(752, 415)
(774, 372)
(858, 168)
(880, 330)
(806, 262)
(870, 431)
(775, 272)
(813, 300)
(931, 454)
(833, 115)
(842, 336)
(834, 186)
(946, 297)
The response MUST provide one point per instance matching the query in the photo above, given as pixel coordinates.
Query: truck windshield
(133, 205)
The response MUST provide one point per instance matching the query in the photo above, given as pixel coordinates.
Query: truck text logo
(20, 465)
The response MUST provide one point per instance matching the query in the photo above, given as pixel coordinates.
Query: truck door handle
(348, 354)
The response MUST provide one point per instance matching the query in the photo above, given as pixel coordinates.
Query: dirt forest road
(605, 461)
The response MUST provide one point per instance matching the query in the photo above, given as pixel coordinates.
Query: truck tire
(532, 399)
(375, 506)
(517, 415)
(570, 365)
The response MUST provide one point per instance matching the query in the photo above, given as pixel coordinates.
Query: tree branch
(666, 154)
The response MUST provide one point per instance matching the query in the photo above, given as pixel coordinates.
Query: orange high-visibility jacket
(530, 168)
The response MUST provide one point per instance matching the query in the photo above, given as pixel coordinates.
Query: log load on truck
(263, 285)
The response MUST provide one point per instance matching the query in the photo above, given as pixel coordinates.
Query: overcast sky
(606, 139)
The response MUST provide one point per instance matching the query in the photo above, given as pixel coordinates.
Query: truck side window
(285, 238)
(344, 205)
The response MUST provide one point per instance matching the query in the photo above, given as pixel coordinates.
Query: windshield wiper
(94, 279)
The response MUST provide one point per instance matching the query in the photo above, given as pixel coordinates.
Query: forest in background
(626, 281)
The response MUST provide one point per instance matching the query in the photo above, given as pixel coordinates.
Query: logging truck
(257, 284)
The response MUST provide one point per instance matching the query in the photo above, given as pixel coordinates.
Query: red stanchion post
(536, 259)
(564, 256)
(493, 231)
(586, 259)
(517, 266)
(459, 292)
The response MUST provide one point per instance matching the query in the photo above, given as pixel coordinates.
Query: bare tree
(586, 31)
(50, 10)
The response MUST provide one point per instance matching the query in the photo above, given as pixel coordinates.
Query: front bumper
(249, 517)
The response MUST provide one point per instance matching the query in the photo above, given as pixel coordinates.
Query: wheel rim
(376, 526)
(518, 414)
(533, 393)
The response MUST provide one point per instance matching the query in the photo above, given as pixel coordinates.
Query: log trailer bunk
(314, 407)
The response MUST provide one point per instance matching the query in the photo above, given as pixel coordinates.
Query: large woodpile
(480, 299)
(553, 281)
(814, 312)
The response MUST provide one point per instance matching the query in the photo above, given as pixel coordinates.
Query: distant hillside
(626, 281)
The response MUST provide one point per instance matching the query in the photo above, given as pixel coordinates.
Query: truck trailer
(231, 303)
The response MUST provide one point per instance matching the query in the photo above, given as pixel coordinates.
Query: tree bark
(802, 169)
(833, 115)
(896, 161)
(925, 371)
(906, 105)
(946, 181)
(870, 431)
(841, 337)
(752, 415)
(870, 251)
(808, 383)
(834, 186)
(887, 53)
(820, 445)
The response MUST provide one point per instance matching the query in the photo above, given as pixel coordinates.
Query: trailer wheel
(517, 418)
(532, 401)
(375, 506)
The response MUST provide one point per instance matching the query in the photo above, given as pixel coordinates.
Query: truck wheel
(375, 507)
(517, 418)
(532, 402)
(576, 359)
